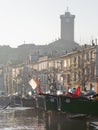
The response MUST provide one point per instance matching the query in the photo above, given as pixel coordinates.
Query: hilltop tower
(67, 26)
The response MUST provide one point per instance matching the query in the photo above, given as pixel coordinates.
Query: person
(73, 90)
(69, 92)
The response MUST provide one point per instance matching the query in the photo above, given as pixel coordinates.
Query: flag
(77, 92)
(38, 85)
(32, 83)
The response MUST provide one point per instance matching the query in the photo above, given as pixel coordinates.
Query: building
(78, 66)
(70, 70)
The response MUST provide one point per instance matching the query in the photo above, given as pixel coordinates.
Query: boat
(16, 101)
(79, 105)
(29, 102)
(26, 101)
(76, 105)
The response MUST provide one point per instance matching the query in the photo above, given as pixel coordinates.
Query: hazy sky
(38, 21)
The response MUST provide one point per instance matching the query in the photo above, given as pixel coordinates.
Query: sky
(38, 21)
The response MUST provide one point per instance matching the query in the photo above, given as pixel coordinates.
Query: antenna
(67, 9)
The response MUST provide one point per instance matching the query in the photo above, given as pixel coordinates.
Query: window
(87, 56)
(79, 75)
(79, 62)
(74, 61)
(75, 76)
(68, 78)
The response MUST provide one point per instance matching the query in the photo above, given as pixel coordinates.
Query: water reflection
(22, 120)
(62, 122)
(29, 119)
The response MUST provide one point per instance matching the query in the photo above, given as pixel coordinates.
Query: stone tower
(67, 26)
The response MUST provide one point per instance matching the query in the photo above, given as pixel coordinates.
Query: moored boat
(29, 102)
(77, 105)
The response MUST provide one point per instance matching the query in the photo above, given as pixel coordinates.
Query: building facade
(70, 70)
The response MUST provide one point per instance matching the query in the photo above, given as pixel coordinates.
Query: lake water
(30, 119)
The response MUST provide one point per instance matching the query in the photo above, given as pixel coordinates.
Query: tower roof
(67, 14)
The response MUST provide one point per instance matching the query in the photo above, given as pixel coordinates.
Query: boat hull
(75, 105)
(78, 105)
(29, 102)
(49, 102)
(52, 102)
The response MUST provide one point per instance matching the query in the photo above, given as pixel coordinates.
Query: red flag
(38, 85)
(77, 92)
